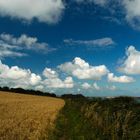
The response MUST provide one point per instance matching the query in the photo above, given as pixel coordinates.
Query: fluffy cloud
(111, 87)
(48, 11)
(49, 73)
(89, 86)
(131, 65)
(58, 83)
(53, 81)
(82, 70)
(86, 86)
(132, 8)
(103, 42)
(96, 86)
(12, 46)
(23, 41)
(34, 79)
(120, 79)
(17, 77)
(39, 87)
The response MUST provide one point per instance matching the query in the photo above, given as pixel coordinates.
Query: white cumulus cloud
(111, 87)
(82, 70)
(86, 86)
(132, 8)
(48, 11)
(96, 86)
(35, 79)
(131, 65)
(17, 77)
(53, 81)
(49, 73)
(120, 79)
(58, 83)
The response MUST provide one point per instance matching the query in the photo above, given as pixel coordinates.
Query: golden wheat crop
(27, 117)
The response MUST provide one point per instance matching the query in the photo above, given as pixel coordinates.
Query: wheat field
(27, 117)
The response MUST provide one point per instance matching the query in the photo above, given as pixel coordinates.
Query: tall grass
(27, 117)
(115, 119)
(98, 119)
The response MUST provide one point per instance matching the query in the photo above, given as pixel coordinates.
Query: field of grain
(27, 117)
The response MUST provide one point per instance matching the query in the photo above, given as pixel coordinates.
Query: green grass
(71, 124)
(97, 119)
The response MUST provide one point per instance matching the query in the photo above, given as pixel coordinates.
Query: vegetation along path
(98, 119)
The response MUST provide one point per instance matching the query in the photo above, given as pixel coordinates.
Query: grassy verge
(113, 119)
(71, 124)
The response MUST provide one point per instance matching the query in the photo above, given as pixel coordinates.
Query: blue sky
(76, 46)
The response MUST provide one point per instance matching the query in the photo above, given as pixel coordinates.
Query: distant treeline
(40, 93)
(72, 96)
(26, 91)
(64, 96)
